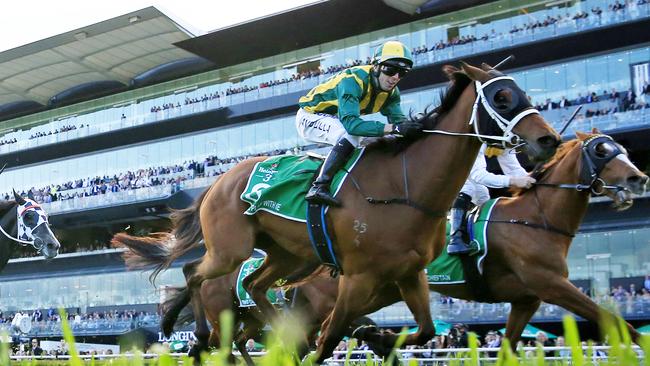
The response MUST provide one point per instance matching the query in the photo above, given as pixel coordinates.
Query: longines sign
(177, 336)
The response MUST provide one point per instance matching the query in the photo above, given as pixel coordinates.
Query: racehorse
(529, 236)
(518, 270)
(23, 221)
(310, 302)
(371, 250)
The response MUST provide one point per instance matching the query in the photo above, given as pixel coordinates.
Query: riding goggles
(390, 70)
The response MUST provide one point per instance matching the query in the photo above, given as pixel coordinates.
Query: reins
(398, 201)
(593, 174)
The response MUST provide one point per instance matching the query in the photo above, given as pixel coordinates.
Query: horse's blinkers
(496, 116)
(594, 161)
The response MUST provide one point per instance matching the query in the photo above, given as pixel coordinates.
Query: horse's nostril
(548, 141)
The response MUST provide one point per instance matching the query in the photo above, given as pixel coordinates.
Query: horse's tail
(144, 252)
(159, 250)
(187, 229)
(178, 299)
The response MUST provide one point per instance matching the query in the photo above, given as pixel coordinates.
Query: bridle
(25, 233)
(494, 122)
(593, 164)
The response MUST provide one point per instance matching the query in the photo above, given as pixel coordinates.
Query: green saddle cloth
(278, 184)
(249, 266)
(448, 269)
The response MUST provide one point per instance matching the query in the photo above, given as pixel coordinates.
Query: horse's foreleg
(563, 293)
(258, 283)
(355, 295)
(520, 314)
(252, 327)
(415, 292)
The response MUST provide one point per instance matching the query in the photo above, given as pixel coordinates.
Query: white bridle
(509, 138)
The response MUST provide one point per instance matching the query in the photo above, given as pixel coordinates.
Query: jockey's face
(389, 76)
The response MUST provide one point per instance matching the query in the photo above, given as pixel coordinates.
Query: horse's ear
(486, 67)
(19, 199)
(581, 136)
(596, 131)
(450, 71)
(474, 72)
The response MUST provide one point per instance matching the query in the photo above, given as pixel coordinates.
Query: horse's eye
(604, 150)
(30, 219)
(503, 98)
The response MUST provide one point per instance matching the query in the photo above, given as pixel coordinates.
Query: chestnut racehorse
(529, 235)
(376, 245)
(519, 270)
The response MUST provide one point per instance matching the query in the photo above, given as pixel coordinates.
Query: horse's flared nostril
(548, 141)
(637, 181)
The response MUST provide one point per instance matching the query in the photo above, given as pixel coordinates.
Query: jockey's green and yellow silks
(278, 184)
(448, 269)
(349, 95)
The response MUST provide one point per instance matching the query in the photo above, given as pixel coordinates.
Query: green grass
(281, 350)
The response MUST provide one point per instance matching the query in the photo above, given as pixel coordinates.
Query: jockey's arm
(510, 165)
(480, 175)
(349, 111)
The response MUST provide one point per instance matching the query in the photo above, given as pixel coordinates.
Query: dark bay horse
(526, 263)
(24, 222)
(309, 302)
(375, 245)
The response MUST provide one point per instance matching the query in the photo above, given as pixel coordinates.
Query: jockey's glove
(408, 129)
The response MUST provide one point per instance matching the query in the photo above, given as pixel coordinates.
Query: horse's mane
(429, 119)
(6, 205)
(541, 172)
(5, 244)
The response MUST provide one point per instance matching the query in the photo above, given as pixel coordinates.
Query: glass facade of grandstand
(597, 256)
(573, 79)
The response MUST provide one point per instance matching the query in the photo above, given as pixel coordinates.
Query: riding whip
(570, 119)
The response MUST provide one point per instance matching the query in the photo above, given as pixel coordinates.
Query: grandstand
(111, 124)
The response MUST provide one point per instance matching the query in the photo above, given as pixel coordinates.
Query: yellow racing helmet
(393, 53)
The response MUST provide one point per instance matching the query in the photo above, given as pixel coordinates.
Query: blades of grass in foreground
(69, 339)
(573, 340)
(472, 341)
(644, 342)
(4, 349)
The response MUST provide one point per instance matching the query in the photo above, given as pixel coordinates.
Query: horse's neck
(441, 164)
(8, 223)
(564, 208)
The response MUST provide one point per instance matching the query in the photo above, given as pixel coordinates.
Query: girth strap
(319, 238)
(475, 281)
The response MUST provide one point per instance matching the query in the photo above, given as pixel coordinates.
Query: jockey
(475, 191)
(330, 112)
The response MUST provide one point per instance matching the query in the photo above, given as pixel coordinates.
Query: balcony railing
(395, 315)
(481, 45)
(473, 312)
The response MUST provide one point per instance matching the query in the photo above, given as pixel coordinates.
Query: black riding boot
(320, 190)
(457, 244)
